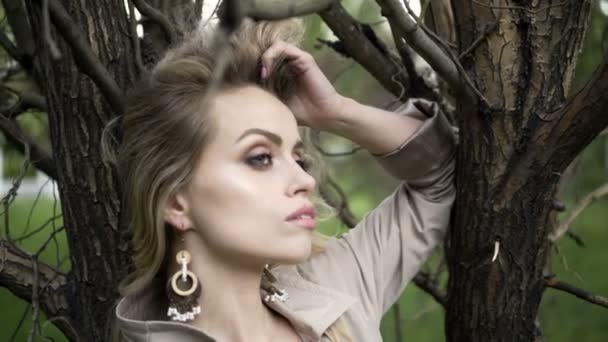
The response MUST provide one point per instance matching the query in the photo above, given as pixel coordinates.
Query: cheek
(231, 203)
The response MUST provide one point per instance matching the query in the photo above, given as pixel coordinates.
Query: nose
(302, 181)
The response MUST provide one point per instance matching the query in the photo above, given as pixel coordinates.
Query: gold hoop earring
(183, 291)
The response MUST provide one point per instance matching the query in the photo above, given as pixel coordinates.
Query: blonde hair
(164, 131)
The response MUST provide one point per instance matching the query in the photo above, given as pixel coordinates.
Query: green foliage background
(562, 316)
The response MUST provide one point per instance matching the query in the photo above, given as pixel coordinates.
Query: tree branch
(582, 294)
(17, 275)
(591, 197)
(84, 57)
(421, 42)
(424, 282)
(281, 9)
(579, 121)
(14, 51)
(26, 100)
(350, 32)
(158, 17)
(17, 18)
(38, 157)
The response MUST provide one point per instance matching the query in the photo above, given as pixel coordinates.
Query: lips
(305, 217)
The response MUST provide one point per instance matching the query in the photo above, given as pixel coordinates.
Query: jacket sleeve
(375, 260)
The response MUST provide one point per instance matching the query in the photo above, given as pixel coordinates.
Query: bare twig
(479, 39)
(29, 215)
(577, 210)
(14, 51)
(158, 17)
(37, 230)
(363, 51)
(25, 313)
(34, 300)
(25, 100)
(280, 9)
(198, 9)
(580, 293)
(17, 275)
(340, 203)
(16, 15)
(424, 282)
(133, 31)
(46, 28)
(37, 156)
(420, 41)
(84, 57)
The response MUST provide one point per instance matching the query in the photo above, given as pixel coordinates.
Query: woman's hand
(316, 102)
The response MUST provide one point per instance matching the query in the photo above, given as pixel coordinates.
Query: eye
(261, 160)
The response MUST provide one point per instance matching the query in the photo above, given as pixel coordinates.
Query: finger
(297, 58)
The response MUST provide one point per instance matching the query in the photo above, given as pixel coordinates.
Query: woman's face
(249, 179)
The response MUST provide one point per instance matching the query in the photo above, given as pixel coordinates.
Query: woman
(219, 193)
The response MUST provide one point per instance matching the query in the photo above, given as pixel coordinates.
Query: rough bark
(506, 184)
(23, 275)
(78, 112)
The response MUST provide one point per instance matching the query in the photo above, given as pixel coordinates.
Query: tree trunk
(507, 173)
(99, 247)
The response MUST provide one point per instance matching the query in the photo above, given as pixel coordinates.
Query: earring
(183, 290)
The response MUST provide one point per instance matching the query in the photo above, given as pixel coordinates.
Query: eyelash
(253, 161)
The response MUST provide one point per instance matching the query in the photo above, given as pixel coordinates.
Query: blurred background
(580, 259)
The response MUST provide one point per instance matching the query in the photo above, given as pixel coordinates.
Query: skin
(232, 215)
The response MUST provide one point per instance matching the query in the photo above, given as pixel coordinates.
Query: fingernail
(264, 72)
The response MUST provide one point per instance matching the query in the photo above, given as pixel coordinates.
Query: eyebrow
(270, 136)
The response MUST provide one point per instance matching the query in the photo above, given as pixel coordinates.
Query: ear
(176, 212)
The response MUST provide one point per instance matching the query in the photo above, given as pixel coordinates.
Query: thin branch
(364, 52)
(84, 57)
(159, 18)
(424, 282)
(46, 29)
(489, 28)
(579, 121)
(577, 210)
(420, 41)
(13, 51)
(16, 15)
(20, 324)
(34, 300)
(39, 229)
(281, 9)
(17, 275)
(38, 157)
(338, 202)
(25, 100)
(580, 293)
(134, 38)
(198, 9)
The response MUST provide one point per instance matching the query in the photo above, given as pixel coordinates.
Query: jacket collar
(311, 309)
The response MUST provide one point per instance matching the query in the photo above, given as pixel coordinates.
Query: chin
(296, 255)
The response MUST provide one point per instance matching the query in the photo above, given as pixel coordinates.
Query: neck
(230, 300)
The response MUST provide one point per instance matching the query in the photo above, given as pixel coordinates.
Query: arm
(376, 260)
(376, 130)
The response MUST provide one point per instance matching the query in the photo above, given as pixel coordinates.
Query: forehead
(239, 109)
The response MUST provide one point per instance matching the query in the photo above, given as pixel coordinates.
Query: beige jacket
(363, 272)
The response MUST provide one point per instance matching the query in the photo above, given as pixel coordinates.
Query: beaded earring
(183, 290)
